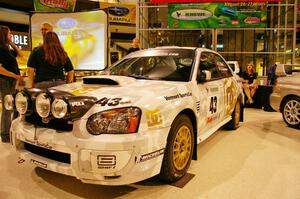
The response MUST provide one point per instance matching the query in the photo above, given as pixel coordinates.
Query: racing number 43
(213, 104)
(110, 102)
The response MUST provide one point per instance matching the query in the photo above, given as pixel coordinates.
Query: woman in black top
(249, 82)
(49, 62)
(9, 74)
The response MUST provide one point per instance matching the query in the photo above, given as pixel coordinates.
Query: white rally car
(145, 117)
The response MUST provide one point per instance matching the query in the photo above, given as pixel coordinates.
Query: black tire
(233, 124)
(181, 137)
(291, 112)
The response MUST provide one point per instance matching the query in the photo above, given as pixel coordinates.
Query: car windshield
(171, 65)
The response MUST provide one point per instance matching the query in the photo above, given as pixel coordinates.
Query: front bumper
(103, 159)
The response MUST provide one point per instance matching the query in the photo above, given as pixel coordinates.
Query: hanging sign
(218, 15)
(205, 1)
(54, 5)
(120, 13)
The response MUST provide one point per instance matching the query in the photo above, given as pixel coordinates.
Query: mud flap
(195, 153)
(242, 113)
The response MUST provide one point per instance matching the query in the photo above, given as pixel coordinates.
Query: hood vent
(101, 81)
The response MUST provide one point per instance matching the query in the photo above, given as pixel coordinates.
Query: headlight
(9, 102)
(117, 121)
(21, 102)
(59, 108)
(42, 105)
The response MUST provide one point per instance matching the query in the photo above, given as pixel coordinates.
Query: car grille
(58, 124)
(50, 154)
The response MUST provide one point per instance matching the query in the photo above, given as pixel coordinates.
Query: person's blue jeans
(7, 86)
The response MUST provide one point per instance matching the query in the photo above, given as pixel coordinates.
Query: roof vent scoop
(101, 81)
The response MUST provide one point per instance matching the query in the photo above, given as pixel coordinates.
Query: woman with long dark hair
(249, 82)
(9, 74)
(48, 63)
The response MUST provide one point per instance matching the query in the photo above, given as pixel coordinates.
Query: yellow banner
(120, 13)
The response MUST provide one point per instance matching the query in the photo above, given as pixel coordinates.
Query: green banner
(54, 5)
(218, 15)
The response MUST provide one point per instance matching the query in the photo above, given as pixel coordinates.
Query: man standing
(46, 27)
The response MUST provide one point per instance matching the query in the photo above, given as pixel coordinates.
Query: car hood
(129, 89)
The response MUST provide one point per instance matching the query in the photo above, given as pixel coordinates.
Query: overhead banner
(120, 13)
(218, 15)
(204, 1)
(54, 5)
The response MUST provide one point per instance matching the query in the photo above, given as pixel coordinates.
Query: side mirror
(236, 69)
(203, 76)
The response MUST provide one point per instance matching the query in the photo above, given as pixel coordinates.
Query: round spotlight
(59, 108)
(42, 105)
(21, 102)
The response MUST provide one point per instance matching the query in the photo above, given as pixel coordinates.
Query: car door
(213, 92)
(230, 87)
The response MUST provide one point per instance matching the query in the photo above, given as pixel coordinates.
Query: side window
(223, 68)
(208, 62)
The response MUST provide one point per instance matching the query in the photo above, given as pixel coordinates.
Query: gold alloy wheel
(182, 148)
(237, 114)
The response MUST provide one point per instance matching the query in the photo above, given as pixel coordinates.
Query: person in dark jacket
(9, 76)
(271, 80)
(48, 63)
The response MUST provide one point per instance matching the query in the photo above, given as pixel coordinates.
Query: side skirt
(211, 131)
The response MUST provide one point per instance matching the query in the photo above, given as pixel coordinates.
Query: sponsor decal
(154, 118)
(118, 10)
(38, 163)
(252, 20)
(40, 144)
(235, 22)
(67, 23)
(191, 14)
(106, 161)
(211, 118)
(230, 99)
(83, 90)
(120, 14)
(151, 155)
(217, 14)
(120, 19)
(188, 94)
(80, 103)
(125, 101)
(214, 89)
(173, 54)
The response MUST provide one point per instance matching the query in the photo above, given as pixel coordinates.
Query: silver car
(286, 94)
